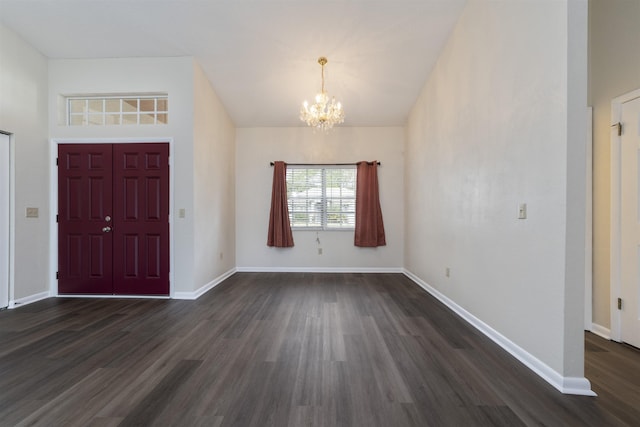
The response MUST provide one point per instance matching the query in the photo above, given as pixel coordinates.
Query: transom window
(117, 110)
(322, 197)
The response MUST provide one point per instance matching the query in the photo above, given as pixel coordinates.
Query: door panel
(141, 221)
(84, 202)
(630, 223)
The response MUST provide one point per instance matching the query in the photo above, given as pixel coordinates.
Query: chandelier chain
(322, 61)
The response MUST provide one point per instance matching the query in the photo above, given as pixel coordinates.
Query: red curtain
(369, 226)
(280, 234)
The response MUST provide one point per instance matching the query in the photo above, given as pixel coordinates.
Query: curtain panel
(369, 226)
(280, 234)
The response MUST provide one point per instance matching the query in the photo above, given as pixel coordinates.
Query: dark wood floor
(286, 350)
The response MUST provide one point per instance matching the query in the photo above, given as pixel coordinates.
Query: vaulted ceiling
(261, 55)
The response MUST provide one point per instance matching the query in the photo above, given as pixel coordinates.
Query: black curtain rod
(324, 164)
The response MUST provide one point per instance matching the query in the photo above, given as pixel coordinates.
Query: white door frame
(616, 208)
(588, 241)
(12, 225)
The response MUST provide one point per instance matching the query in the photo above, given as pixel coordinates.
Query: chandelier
(324, 113)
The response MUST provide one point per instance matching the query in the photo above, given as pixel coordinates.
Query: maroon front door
(113, 223)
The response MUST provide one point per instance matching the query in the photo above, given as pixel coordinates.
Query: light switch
(32, 212)
(181, 212)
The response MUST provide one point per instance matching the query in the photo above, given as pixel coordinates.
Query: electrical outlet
(319, 251)
(522, 211)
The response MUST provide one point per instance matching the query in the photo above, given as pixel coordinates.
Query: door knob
(107, 218)
(106, 229)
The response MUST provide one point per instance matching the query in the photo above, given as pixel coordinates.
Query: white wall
(498, 124)
(23, 112)
(257, 147)
(214, 187)
(174, 76)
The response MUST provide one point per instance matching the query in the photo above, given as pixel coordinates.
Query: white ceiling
(261, 55)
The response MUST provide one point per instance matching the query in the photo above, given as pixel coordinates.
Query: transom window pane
(117, 110)
(129, 119)
(130, 105)
(77, 105)
(147, 105)
(112, 105)
(96, 106)
(321, 197)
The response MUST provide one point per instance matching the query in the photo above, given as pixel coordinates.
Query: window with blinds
(321, 197)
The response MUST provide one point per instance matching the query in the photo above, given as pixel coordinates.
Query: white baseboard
(28, 300)
(601, 331)
(177, 295)
(203, 289)
(319, 269)
(567, 385)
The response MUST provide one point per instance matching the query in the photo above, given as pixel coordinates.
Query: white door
(4, 220)
(630, 223)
